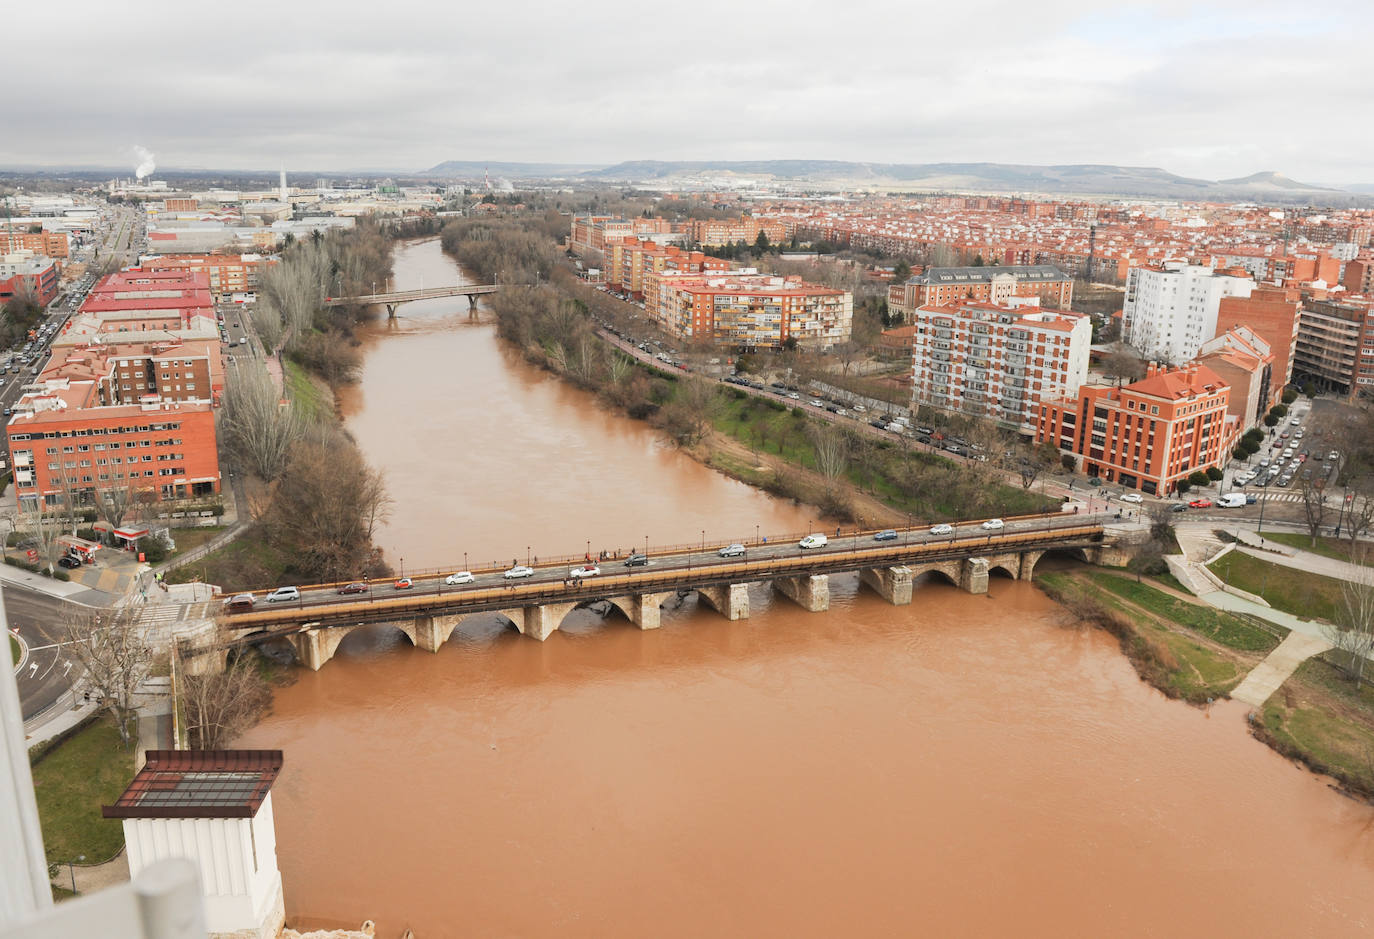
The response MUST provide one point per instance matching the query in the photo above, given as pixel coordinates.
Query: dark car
(637, 560)
(925, 430)
(353, 588)
(68, 562)
(885, 535)
(1178, 507)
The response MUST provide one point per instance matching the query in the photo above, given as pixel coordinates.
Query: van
(1232, 500)
(283, 593)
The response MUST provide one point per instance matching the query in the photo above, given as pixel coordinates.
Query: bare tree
(1353, 633)
(832, 453)
(1124, 364)
(114, 502)
(110, 650)
(221, 706)
(258, 424)
(1146, 558)
(1314, 508)
(44, 530)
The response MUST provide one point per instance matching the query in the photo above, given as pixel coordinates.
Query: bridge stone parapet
(811, 592)
(729, 600)
(893, 584)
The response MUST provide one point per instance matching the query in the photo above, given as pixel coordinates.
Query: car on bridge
(732, 551)
(353, 588)
(283, 594)
(586, 570)
(240, 603)
(887, 534)
(459, 577)
(942, 530)
(405, 583)
(994, 524)
(518, 571)
(637, 560)
(814, 541)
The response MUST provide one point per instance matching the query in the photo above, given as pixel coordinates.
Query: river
(962, 766)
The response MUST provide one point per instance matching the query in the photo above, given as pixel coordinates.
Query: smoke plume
(146, 163)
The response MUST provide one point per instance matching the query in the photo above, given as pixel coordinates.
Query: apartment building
(937, 286)
(594, 232)
(712, 232)
(627, 264)
(1245, 362)
(26, 271)
(61, 442)
(178, 293)
(997, 362)
(1335, 343)
(226, 273)
(51, 244)
(1146, 435)
(1359, 276)
(749, 310)
(1272, 313)
(1171, 310)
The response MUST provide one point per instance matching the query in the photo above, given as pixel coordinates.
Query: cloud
(1215, 89)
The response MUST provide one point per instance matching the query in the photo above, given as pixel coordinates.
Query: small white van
(1232, 500)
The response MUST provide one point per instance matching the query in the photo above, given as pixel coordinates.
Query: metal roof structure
(198, 784)
(983, 275)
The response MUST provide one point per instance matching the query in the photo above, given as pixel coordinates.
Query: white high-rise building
(1171, 310)
(282, 193)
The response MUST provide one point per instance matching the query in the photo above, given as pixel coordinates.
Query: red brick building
(1272, 312)
(52, 244)
(226, 273)
(61, 442)
(1146, 435)
(940, 286)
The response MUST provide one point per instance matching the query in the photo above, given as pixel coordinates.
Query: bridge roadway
(429, 611)
(392, 299)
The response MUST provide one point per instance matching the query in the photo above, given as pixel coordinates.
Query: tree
(221, 706)
(901, 272)
(761, 245)
(257, 424)
(1147, 558)
(1182, 486)
(1198, 478)
(832, 453)
(1314, 509)
(1214, 474)
(44, 530)
(1271, 420)
(1353, 632)
(109, 649)
(1125, 365)
(1290, 394)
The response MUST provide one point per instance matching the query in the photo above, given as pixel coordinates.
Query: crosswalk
(162, 620)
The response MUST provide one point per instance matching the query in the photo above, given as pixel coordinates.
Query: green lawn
(1327, 547)
(1319, 716)
(188, 539)
(14, 650)
(1218, 625)
(72, 782)
(248, 561)
(1295, 591)
(304, 393)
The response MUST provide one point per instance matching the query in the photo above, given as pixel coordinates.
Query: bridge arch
(945, 570)
(1033, 558)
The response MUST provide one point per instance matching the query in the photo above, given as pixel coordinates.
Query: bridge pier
(472, 303)
(310, 650)
(811, 592)
(893, 584)
(391, 310)
(973, 575)
(729, 600)
(431, 632)
(541, 621)
(1028, 561)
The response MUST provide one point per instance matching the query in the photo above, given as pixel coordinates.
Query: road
(46, 675)
(678, 558)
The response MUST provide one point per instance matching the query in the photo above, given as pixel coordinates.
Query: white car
(586, 570)
(1132, 497)
(732, 551)
(461, 577)
(814, 541)
(942, 530)
(282, 594)
(518, 571)
(994, 524)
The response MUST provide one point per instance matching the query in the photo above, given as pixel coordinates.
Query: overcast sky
(1214, 90)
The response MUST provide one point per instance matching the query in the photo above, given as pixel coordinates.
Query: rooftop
(984, 274)
(199, 784)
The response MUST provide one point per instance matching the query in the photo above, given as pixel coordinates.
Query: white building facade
(998, 362)
(1171, 310)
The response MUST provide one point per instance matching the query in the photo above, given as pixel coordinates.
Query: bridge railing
(620, 553)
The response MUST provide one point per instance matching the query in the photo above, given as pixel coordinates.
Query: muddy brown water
(962, 766)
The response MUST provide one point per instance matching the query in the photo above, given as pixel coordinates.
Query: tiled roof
(199, 784)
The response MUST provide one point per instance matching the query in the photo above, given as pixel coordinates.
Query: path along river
(962, 766)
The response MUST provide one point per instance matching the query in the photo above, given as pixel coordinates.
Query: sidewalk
(1288, 556)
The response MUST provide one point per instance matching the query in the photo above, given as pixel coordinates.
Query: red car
(353, 588)
(405, 583)
(1200, 504)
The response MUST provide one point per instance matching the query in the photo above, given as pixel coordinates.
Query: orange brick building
(629, 263)
(1146, 435)
(52, 244)
(60, 442)
(226, 273)
(1272, 312)
(711, 232)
